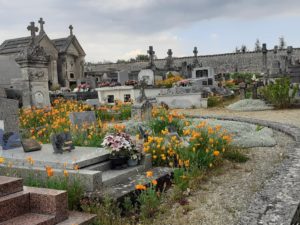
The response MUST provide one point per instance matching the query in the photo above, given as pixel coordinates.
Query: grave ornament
(62, 142)
(30, 145)
(9, 140)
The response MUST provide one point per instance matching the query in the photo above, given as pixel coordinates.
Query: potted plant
(120, 145)
(134, 157)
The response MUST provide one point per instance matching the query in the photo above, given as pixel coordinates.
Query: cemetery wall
(228, 62)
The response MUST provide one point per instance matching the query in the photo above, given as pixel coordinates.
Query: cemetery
(194, 140)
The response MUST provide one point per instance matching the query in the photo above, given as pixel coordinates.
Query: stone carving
(39, 97)
(33, 53)
(36, 75)
(41, 22)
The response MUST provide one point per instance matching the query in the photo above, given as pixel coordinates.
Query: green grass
(235, 155)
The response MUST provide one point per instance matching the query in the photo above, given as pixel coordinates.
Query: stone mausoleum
(36, 63)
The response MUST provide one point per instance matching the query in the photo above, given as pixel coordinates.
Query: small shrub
(214, 101)
(279, 93)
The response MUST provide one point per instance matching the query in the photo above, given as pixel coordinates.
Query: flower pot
(132, 162)
(118, 162)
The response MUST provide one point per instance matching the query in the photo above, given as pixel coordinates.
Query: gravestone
(9, 111)
(147, 75)
(242, 87)
(123, 77)
(82, 118)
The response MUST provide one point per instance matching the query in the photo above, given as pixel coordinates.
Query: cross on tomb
(195, 51)
(151, 54)
(32, 29)
(170, 53)
(71, 30)
(41, 22)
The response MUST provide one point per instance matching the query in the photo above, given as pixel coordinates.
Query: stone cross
(71, 30)
(170, 53)
(195, 61)
(195, 52)
(151, 55)
(41, 22)
(32, 29)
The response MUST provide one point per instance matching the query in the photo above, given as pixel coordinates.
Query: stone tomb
(9, 114)
(83, 118)
(81, 157)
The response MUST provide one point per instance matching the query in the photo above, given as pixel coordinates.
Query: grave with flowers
(112, 156)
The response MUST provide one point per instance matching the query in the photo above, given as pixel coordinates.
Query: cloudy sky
(121, 29)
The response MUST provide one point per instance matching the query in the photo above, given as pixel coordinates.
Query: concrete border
(278, 201)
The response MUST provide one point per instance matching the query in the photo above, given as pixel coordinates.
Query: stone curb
(278, 201)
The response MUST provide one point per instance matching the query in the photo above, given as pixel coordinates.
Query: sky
(109, 30)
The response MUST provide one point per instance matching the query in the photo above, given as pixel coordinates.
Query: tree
(282, 43)
(243, 48)
(142, 57)
(121, 61)
(257, 47)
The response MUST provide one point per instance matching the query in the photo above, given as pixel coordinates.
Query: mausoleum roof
(12, 46)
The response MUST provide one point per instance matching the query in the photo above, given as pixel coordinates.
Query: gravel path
(287, 116)
(223, 198)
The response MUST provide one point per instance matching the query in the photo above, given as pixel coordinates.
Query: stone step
(10, 185)
(162, 174)
(14, 205)
(48, 201)
(113, 177)
(31, 219)
(78, 218)
(103, 166)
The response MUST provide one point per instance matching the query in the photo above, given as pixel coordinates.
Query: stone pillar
(54, 69)
(34, 63)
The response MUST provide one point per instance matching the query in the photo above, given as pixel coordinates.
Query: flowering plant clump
(119, 144)
(169, 81)
(162, 119)
(39, 124)
(197, 147)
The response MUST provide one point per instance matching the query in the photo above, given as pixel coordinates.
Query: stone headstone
(82, 118)
(9, 114)
(242, 87)
(62, 142)
(123, 77)
(142, 111)
(147, 75)
(30, 145)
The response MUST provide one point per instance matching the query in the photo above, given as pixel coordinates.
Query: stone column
(54, 69)
(34, 63)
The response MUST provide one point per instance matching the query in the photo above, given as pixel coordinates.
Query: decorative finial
(41, 22)
(71, 30)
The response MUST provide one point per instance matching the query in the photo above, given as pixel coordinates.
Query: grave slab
(80, 156)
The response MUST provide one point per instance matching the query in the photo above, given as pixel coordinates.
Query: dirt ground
(223, 198)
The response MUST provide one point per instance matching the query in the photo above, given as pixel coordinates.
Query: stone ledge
(278, 201)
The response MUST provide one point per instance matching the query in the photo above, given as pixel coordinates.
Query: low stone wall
(185, 101)
(278, 201)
